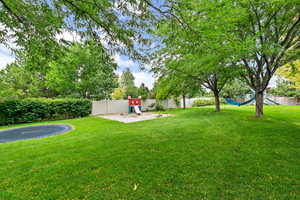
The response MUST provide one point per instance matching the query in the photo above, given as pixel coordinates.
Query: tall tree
(85, 70)
(193, 60)
(17, 82)
(269, 38)
(127, 78)
(143, 91)
(259, 35)
(127, 84)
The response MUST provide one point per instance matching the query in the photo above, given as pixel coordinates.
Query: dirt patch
(130, 118)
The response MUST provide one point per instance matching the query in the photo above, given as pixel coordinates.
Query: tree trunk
(259, 99)
(217, 101)
(183, 100)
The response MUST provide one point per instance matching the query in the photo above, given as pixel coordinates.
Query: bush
(157, 107)
(32, 110)
(206, 102)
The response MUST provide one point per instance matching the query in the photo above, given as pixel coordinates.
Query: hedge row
(32, 110)
(206, 102)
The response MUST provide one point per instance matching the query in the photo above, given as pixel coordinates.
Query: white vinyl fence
(286, 100)
(121, 106)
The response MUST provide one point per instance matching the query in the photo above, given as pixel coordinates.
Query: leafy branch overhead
(113, 23)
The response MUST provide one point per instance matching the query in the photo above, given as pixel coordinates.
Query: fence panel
(121, 106)
(99, 107)
(117, 106)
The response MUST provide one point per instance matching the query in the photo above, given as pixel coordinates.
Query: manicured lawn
(197, 154)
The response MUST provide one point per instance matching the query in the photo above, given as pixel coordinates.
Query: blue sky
(6, 56)
(140, 76)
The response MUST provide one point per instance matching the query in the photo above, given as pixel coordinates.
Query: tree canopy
(291, 72)
(254, 38)
(83, 70)
(17, 82)
(175, 84)
(34, 25)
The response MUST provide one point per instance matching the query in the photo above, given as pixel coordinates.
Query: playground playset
(134, 105)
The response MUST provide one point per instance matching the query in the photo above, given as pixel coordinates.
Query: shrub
(206, 102)
(157, 107)
(32, 110)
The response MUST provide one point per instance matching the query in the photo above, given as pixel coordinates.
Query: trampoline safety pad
(31, 132)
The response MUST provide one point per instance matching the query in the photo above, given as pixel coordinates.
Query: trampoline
(31, 132)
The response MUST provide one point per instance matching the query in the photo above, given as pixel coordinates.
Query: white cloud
(4, 60)
(144, 77)
(69, 36)
(122, 62)
(141, 77)
(131, 7)
(6, 57)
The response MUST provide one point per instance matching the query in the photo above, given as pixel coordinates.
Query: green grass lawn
(197, 154)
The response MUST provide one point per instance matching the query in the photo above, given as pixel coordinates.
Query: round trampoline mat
(31, 132)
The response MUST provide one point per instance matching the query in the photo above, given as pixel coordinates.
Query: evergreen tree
(143, 91)
(127, 84)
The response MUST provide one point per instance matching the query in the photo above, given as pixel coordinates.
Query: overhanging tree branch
(5, 5)
(165, 13)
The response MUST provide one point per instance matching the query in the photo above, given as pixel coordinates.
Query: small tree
(176, 84)
(291, 72)
(117, 94)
